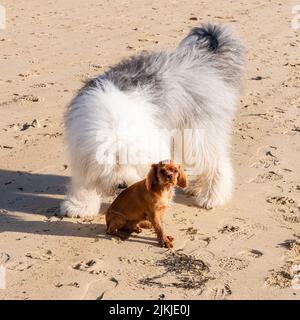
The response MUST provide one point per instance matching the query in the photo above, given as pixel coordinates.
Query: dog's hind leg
(130, 227)
(117, 226)
(214, 188)
(145, 224)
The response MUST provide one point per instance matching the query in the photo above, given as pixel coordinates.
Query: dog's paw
(170, 238)
(167, 242)
(192, 191)
(138, 230)
(215, 196)
(205, 202)
(210, 201)
(201, 200)
(79, 210)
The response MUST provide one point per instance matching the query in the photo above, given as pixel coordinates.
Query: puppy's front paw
(167, 242)
(170, 238)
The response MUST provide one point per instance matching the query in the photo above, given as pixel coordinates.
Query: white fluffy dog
(135, 103)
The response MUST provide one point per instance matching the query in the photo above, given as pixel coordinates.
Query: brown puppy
(144, 203)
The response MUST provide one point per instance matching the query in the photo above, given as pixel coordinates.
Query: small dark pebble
(257, 78)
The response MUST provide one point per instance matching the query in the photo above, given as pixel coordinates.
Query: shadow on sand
(41, 194)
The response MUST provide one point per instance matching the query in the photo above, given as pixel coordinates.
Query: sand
(248, 249)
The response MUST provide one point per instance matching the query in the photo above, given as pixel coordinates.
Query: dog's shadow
(65, 227)
(42, 194)
(182, 198)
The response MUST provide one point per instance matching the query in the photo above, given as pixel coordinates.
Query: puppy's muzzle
(169, 177)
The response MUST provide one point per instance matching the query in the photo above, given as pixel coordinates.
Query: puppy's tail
(225, 49)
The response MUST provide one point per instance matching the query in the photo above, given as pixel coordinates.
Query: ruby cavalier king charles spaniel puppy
(144, 203)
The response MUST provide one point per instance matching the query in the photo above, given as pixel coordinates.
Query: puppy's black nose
(169, 176)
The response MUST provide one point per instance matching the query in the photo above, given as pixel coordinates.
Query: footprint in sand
(238, 228)
(287, 208)
(268, 176)
(40, 255)
(39, 85)
(267, 160)
(192, 248)
(279, 278)
(21, 98)
(194, 234)
(229, 229)
(250, 254)
(19, 265)
(30, 98)
(293, 253)
(232, 264)
(72, 284)
(92, 266)
(4, 257)
(97, 289)
(288, 274)
(218, 292)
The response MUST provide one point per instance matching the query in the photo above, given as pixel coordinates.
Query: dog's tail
(213, 38)
(225, 49)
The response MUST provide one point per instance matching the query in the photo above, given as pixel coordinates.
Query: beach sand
(248, 249)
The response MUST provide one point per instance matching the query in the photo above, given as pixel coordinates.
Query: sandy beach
(248, 249)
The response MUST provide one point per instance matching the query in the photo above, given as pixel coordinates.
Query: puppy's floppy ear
(182, 177)
(151, 177)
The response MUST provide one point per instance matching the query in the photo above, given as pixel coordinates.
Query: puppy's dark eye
(162, 171)
(175, 170)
